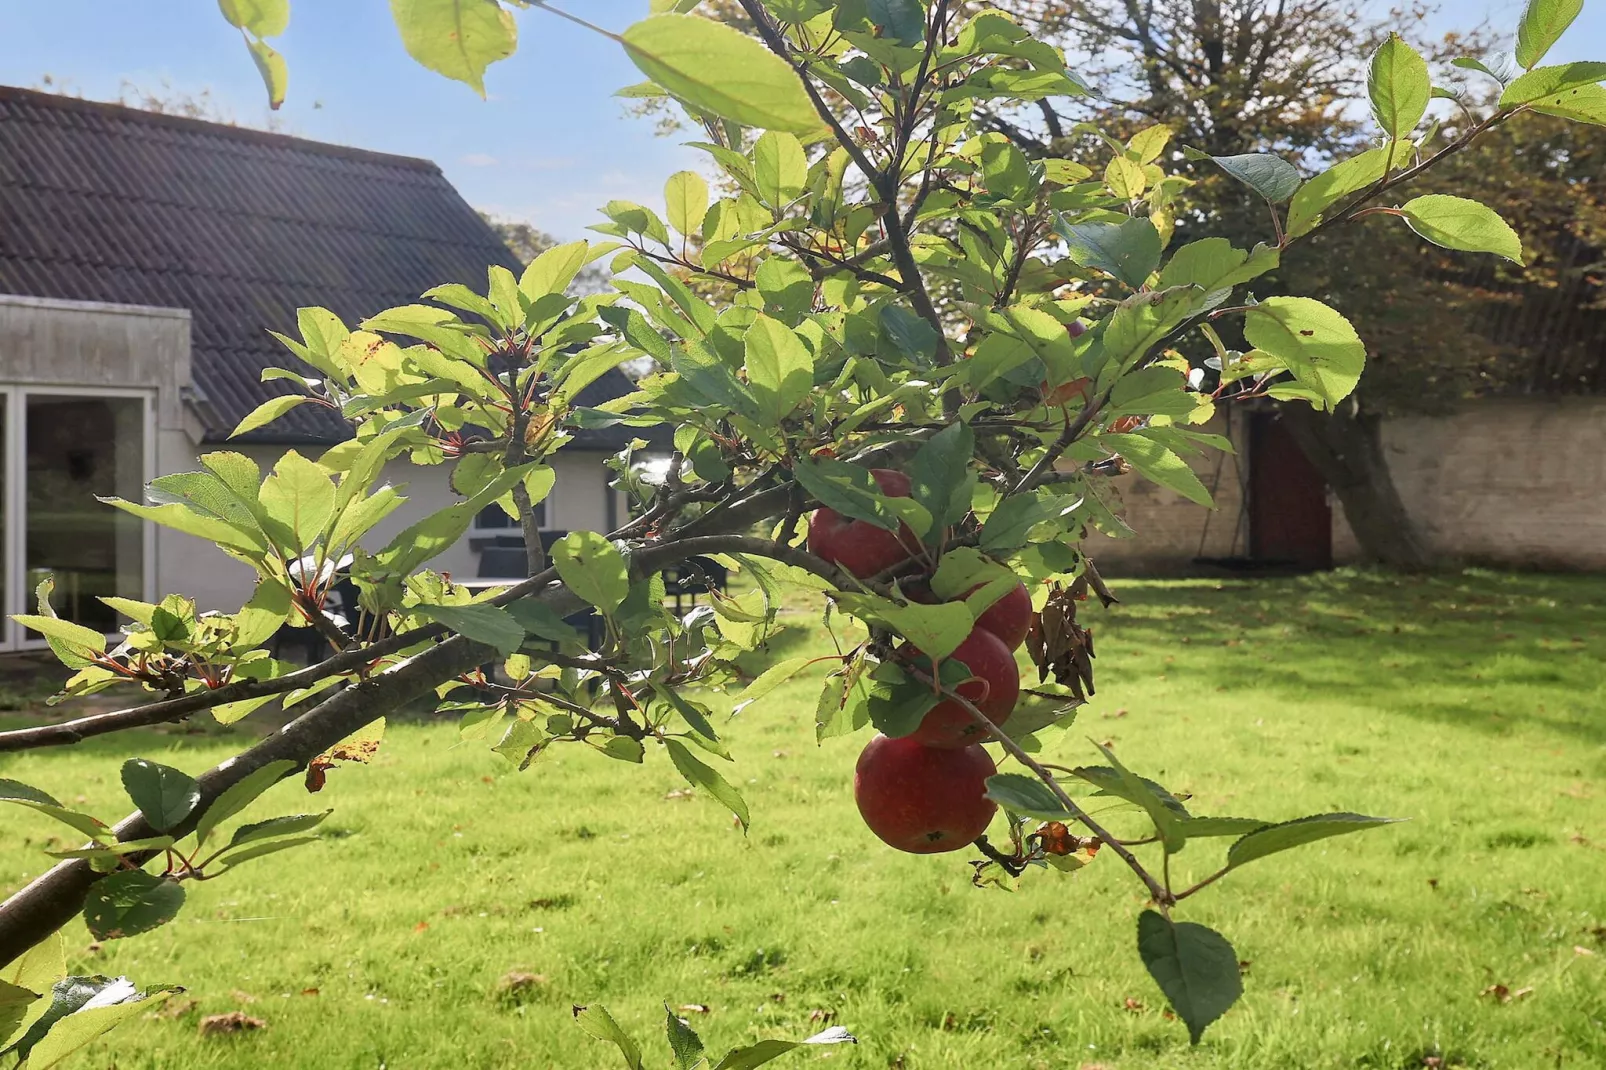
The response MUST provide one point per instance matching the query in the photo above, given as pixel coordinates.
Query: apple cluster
(926, 792)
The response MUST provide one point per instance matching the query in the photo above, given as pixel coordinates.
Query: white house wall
(192, 567)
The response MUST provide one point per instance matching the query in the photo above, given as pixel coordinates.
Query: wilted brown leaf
(216, 1025)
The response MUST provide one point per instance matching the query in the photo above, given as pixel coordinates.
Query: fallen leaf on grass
(177, 1008)
(1133, 1005)
(1504, 994)
(215, 1025)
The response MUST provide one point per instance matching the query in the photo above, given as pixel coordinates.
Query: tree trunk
(1347, 449)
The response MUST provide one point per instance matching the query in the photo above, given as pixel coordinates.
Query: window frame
(13, 511)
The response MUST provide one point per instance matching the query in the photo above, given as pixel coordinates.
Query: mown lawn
(1473, 704)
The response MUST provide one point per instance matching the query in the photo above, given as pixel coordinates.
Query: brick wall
(1504, 481)
(1508, 481)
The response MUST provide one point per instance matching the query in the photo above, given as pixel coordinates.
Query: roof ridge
(224, 131)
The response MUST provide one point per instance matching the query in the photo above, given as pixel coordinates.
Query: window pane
(79, 448)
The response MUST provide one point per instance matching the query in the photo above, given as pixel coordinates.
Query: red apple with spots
(922, 799)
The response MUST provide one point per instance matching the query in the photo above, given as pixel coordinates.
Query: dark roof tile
(105, 203)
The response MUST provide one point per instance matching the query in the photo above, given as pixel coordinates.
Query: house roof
(100, 202)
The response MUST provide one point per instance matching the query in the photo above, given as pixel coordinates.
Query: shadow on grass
(1475, 649)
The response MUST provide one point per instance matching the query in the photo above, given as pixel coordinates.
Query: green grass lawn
(1473, 704)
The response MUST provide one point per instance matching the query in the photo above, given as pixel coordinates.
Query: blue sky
(550, 145)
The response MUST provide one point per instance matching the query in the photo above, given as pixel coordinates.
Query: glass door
(75, 448)
(8, 553)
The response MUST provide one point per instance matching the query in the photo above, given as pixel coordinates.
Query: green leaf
(1161, 806)
(479, 621)
(1216, 267)
(74, 644)
(261, 617)
(1297, 833)
(849, 489)
(1339, 181)
(1152, 391)
(237, 796)
(1026, 795)
(704, 372)
(1580, 104)
(599, 1023)
(909, 332)
(684, 1042)
(261, 18)
(553, 271)
(1549, 81)
(937, 630)
(130, 903)
(895, 702)
(1399, 87)
(15, 1003)
(1010, 525)
(1317, 344)
(780, 169)
(1124, 177)
(686, 202)
(267, 412)
(1142, 322)
(300, 495)
(593, 568)
(964, 568)
(718, 69)
(1459, 223)
(456, 38)
(163, 794)
(80, 1028)
(430, 536)
(766, 1050)
(1206, 827)
(780, 369)
(702, 776)
(539, 619)
(940, 476)
(89, 826)
(1159, 465)
(1129, 251)
(36, 971)
(276, 827)
(903, 21)
(772, 678)
(1543, 23)
(1273, 177)
(257, 850)
(1194, 966)
(17, 791)
(275, 75)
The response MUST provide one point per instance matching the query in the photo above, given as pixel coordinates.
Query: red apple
(994, 689)
(920, 799)
(857, 545)
(1009, 618)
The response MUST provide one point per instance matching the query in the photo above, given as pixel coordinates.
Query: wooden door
(1290, 519)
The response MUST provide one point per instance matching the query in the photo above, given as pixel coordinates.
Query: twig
(1157, 891)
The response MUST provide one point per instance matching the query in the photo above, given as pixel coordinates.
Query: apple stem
(1158, 892)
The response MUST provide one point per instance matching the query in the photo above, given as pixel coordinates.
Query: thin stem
(577, 20)
(1157, 891)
